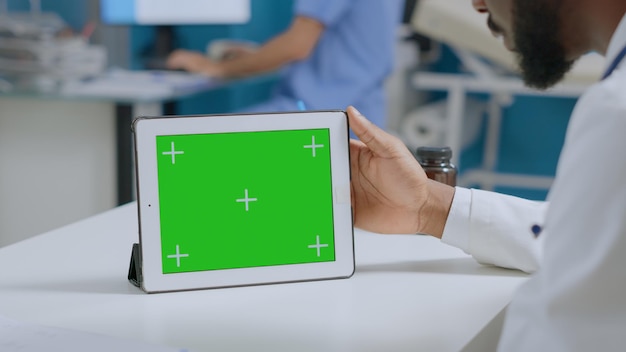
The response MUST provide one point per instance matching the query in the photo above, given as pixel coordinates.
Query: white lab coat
(576, 299)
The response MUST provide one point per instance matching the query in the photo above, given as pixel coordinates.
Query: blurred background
(73, 73)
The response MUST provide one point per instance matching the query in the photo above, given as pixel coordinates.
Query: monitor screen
(267, 201)
(168, 12)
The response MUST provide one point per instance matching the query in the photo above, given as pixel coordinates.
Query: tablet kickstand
(134, 271)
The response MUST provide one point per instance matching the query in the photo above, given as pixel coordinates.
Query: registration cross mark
(177, 256)
(313, 146)
(173, 153)
(245, 199)
(317, 245)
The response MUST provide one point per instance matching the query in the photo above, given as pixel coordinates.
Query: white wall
(57, 164)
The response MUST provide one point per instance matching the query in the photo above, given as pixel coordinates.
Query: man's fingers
(377, 140)
(356, 144)
(355, 154)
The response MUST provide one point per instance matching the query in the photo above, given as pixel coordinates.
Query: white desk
(409, 293)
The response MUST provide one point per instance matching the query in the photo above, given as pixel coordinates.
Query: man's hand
(194, 62)
(390, 191)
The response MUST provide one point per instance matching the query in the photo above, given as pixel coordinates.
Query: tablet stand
(134, 271)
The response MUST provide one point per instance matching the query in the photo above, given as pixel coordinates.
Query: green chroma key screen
(245, 199)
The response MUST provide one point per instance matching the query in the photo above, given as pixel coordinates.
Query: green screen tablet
(243, 199)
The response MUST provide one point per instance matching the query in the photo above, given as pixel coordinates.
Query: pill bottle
(436, 163)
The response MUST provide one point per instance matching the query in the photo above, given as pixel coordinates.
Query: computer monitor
(178, 12)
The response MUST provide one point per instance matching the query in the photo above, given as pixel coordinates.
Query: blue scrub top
(350, 62)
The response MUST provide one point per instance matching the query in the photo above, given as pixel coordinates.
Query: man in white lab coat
(575, 243)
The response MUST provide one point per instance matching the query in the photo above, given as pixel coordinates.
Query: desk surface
(129, 86)
(408, 293)
(118, 86)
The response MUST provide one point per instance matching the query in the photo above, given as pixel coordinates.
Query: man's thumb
(377, 140)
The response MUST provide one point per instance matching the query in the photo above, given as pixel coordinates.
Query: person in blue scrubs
(334, 54)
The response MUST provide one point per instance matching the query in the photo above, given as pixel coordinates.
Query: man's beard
(540, 53)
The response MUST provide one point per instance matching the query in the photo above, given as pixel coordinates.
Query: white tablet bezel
(147, 129)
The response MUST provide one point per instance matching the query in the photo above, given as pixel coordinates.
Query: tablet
(234, 200)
